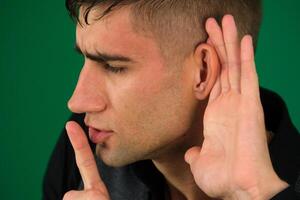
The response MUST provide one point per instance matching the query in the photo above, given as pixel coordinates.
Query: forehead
(114, 34)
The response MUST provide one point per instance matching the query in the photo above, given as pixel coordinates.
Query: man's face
(149, 106)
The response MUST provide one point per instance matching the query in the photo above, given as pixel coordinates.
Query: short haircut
(178, 26)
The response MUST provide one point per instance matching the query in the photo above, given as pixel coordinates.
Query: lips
(98, 136)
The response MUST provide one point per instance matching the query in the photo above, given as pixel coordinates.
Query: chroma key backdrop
(39, 69)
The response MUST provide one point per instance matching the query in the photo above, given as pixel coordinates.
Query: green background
(38, 70)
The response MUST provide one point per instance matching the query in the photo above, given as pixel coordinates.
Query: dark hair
(177, 25)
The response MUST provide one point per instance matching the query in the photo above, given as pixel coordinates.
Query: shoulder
(274, 108)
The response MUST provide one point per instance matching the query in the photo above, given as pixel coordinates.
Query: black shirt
(142, 181)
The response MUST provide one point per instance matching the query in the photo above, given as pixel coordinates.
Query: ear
(207, 70)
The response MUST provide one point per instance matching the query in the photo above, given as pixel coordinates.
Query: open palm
(233, 161)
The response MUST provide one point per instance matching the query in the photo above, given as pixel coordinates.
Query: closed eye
(113, 69)
(102, 59)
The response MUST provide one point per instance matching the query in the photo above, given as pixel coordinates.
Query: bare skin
(225, 137)
(234, 161)
(94, 188)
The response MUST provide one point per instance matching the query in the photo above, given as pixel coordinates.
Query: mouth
(98, 136)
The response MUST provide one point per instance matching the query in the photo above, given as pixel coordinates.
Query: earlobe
(207, 70)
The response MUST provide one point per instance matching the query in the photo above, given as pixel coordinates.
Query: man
(156, 81)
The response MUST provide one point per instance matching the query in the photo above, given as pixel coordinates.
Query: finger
(209, 42)
(216, 90)
(249, 78)
(192, 154)
(84, 195)
(71, 195)
(232, 46)
(216, 37)
(84, 157)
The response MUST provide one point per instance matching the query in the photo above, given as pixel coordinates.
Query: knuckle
(86, 163)
(234, 62)
(68, 195)
(220, 45)
(94, 194)
(245, 61)
(223, 62)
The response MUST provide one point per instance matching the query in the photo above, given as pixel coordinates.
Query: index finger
(216, 37)
(84, 157)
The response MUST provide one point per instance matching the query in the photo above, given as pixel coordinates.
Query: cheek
(135, 98)
(151, 105)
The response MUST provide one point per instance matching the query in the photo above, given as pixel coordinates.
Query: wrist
(271, 188)
(263, 191)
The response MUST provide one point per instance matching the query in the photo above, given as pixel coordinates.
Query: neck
(177, 172)
(179, 178)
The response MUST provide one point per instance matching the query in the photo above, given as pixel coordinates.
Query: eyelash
(115, 70)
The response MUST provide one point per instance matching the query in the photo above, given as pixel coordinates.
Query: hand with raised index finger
(233, 161)
(94, 188)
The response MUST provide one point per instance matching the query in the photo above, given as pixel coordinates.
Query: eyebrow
(103, 57)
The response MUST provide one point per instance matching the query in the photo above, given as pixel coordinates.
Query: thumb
(192, 154)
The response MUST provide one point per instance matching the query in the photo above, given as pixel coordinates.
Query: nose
(88, 95)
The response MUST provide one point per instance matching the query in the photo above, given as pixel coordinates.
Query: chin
(113, 158)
